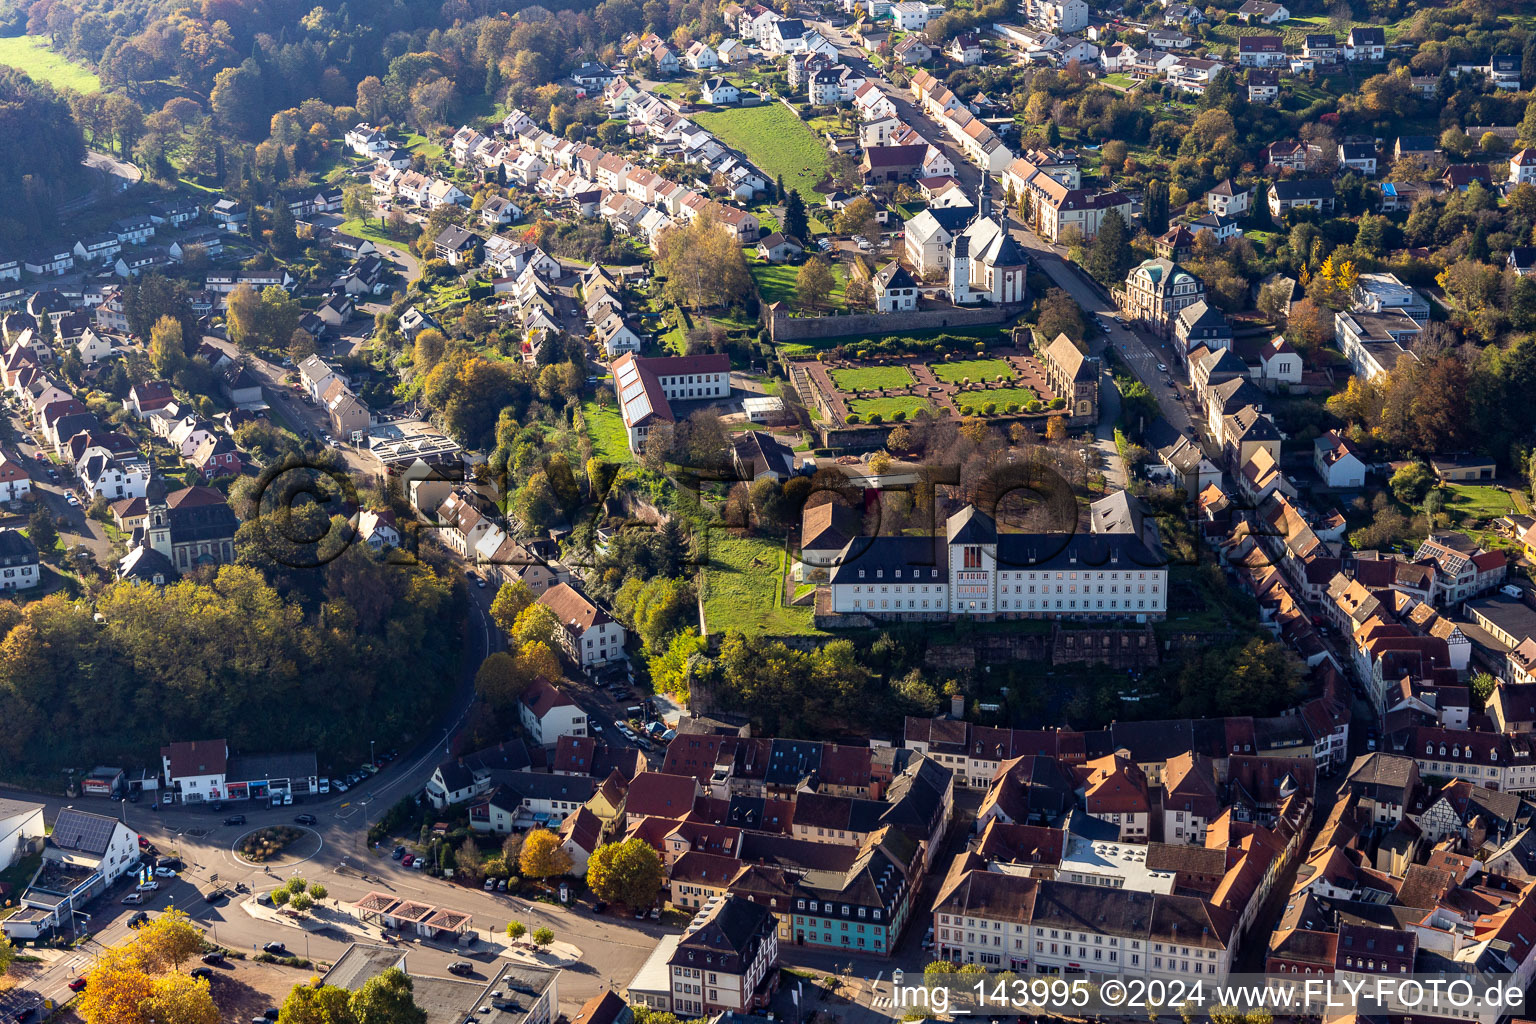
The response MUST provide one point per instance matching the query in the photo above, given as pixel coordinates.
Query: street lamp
(371, 758)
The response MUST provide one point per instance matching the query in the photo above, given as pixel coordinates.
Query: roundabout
(276, 846)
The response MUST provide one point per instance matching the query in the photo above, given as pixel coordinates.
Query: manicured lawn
(1120, 81)
(870, 378)
(744, 587)
(606, 429)
(973, 403)
(779, 282)
(32, 55)
(773, 138)
(1478, 502)
(887, 408)
(975, 369)
(370, 229)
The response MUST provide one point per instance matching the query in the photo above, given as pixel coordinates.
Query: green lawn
(421, 144)
(606, 429)
(1120, 81)
(973, 403)
(744, 587)
(372, 230)
(1478, 502)
(773, 138)
(32, 55)
(974, 369)
(779, 282)
(887, 408)
(870, 378)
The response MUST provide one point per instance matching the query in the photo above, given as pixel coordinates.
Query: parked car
(138, 919)
(163, 872)
(235, 819)
(407, 860)
(174, 863)
(275, 948)
(205, 973)
(418, 863)
(461, 967)
(304, 819)
(399, 852)
(490, 885)
(600, 907)
(149, 886)
(143, 843)
(215, 957)
(134, 898)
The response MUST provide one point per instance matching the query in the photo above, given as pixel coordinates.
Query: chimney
(957, 706)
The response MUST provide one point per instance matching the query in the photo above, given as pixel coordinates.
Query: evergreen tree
(796, 224)
(1478, 250)
(284, 239)
(780, 195)
(1109, 255)
(1052, 134)
(1154, 210)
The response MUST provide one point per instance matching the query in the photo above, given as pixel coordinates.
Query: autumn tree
(168, 941)
(510, 601)
(115, 989)
(543, 856)
(627, 872)
(1060, 314)
(179, 999)
(857, 218)
(814, 282)
(167, 353)
(542, 936)
(702, 263)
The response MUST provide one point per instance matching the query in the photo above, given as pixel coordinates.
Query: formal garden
(896, 388)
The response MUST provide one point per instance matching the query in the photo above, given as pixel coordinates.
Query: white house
(195, 770)
(589, 635)
(1337, 462)
(548, 714)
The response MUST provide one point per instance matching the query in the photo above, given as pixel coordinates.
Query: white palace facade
(974, 570)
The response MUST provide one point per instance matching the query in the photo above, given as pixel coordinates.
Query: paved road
(77, 529)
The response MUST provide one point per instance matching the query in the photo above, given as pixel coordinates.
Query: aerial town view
(830, 512)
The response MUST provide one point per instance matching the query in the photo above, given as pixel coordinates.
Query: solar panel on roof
(76, 830)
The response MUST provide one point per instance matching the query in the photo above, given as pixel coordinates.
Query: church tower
(157, 523)
(960, 270)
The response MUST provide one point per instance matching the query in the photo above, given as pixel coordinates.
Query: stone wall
(784, 327)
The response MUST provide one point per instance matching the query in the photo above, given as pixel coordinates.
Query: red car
(78, 985)
(407, 860)
(143, 843)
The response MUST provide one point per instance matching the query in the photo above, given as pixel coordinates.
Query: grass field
(774, 139)
(421, 144)
(975, 369)
(887, 408)
(1478, 502)
(870, 378)
(371, 230)
(32, 55)
(1120, 81)
(779, 282)
(744, 587)
(973, 403)
(606, 429)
